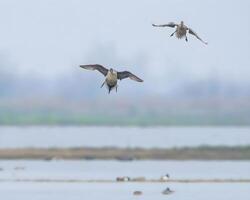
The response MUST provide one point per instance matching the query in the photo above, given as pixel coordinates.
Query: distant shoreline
(128, 154)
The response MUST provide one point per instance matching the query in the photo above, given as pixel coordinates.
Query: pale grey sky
(52, 37)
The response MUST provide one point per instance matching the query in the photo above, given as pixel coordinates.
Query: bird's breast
(181, 32)
(111, 79)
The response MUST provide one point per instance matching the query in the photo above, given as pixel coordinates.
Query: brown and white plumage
(126, 74)
(111, 75)
(97, 67)
(170, 24)
(181, 30)
(195, 34)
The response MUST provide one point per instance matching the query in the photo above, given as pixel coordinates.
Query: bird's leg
(186, 39)
(172, 34)
(116, 88)
(103, 83)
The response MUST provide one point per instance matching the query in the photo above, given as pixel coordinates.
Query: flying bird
(111, 75)
(180, 31)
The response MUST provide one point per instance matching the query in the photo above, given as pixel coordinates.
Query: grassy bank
(199, 153)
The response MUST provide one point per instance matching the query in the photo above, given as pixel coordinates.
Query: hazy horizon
(42, 44)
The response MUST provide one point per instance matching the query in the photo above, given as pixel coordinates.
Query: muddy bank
(199, 153)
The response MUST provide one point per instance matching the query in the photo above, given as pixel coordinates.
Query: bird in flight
(180, 31)
(111, 75)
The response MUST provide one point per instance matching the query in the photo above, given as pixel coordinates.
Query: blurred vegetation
(137, 119)
(70, 99)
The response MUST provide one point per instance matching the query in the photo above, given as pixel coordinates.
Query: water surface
(161, 137)
(114, 191)
(14, 171)
(109, 170)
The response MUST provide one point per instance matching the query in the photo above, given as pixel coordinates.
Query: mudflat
(196, 153)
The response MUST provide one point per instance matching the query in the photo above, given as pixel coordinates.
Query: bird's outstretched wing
(171, 24)
(100, 68)
(126, 74)
(195, 34)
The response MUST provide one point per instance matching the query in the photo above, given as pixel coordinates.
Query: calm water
(113, 191)
(109, 170)
(12, 137)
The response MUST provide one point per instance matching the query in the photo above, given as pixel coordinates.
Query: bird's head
(182, 23)
(111, 70)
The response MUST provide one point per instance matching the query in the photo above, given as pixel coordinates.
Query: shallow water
(82, 170)
(109, 170)
(161, 137)
(114, 191)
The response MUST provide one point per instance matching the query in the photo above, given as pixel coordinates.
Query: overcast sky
(52, 37)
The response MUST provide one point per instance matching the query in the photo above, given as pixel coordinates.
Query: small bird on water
(111, 75)
(165, 178)
(167, 191)
(123, 179)
(180, 31)
(137, 193)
